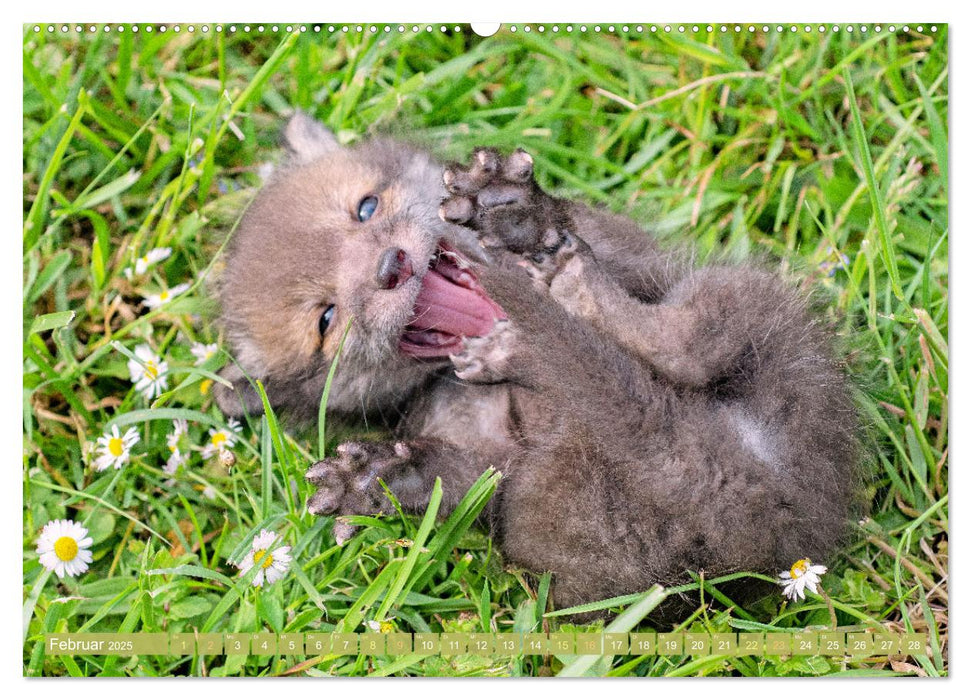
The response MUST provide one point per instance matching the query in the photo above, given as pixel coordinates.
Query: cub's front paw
(347, 483)
(498, 198)
(485, 359)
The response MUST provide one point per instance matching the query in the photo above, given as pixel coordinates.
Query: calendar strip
(310, 644)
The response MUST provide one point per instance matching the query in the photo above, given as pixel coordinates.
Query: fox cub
(648, 417)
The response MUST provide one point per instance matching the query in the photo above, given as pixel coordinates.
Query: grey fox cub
(648, 418)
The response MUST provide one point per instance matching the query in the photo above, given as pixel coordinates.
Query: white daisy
(176, 459)
(149, 376)
(62, 548)
(222, 439)
(180, 428)
(209, 492)
(273, 564)
(178, 442)
(153, 301)
(114, 449)
(203, 352)
(155, 255)
(803, 574)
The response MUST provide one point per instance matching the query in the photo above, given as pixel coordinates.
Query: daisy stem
(829, 604)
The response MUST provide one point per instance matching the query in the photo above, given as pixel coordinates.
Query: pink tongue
(445, 309)
(444, 306)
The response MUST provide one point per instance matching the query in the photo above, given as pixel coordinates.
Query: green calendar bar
(310, 644)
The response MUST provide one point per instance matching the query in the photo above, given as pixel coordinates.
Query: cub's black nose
(394, 268)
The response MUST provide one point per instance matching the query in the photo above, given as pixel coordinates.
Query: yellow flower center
(116, 447)
(66, 548)
(800, 568)
(218, 439)
(151, 370)
(263, 556)
(164, 296)
(204, 386)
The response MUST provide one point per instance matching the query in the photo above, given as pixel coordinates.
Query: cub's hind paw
(544, 265)
(347, 483)
(485, 359)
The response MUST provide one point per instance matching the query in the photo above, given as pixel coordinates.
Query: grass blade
(624, 622)
(876, 197)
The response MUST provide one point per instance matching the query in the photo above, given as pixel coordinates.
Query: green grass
(824, 152)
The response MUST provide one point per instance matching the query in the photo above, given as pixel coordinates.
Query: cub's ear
(306, 139)
(243, 399)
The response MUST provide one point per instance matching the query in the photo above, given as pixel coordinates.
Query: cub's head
(346, 238)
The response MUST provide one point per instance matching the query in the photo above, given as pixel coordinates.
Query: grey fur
(649, 418)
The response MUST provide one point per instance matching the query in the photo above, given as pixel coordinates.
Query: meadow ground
(823, 151)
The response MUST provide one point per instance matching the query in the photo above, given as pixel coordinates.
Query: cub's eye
(325, 319)
(365, 210)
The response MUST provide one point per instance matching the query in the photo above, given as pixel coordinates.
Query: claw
(484, 358)
(355, 455)
(326, 500)
(458, 180)
(456, 210)
(519, 166)
(319, 471)
(487, 160)
(343, 531)
(551, 238)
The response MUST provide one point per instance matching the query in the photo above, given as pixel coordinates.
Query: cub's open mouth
(451, 304)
